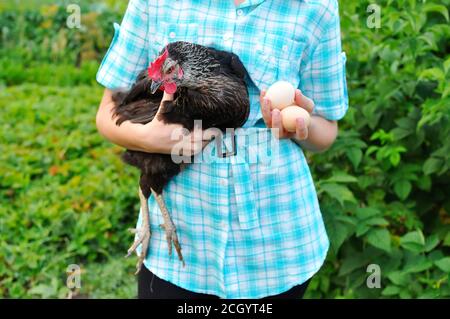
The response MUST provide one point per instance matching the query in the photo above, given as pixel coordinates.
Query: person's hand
(272, 118)
(160, 137)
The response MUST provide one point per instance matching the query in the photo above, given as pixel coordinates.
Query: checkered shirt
(250, 225)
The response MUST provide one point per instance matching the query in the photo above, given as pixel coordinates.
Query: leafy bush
(42, 35)
(384, 185)
(65, 197)
(63, 192)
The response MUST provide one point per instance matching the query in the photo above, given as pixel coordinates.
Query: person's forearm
(321, 134)
(128, 135)
(153, 137)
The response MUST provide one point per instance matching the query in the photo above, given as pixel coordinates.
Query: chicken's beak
(155, 86)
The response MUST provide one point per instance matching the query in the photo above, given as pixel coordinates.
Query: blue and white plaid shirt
(247, 230)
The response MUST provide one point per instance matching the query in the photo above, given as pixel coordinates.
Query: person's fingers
(301, 131)
(265, 111)
(167, 97)
(304, 101)
(195, 141)
(262, 94)
(277, 125)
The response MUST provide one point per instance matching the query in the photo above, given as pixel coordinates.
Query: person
(247, 230)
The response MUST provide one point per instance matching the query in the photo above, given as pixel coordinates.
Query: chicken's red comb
(154, 70)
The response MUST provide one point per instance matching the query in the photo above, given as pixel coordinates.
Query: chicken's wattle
(169, 88)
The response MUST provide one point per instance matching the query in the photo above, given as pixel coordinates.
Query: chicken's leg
(143, 233)
(169, 227)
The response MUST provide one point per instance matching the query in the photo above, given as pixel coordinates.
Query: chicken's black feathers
(213, 89)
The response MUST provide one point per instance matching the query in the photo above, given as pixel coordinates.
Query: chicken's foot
(143, 233)
(169, 227)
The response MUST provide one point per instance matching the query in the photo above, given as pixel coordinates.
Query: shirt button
(240, 12)
(223, 182)
(285, 48)
(172, 35)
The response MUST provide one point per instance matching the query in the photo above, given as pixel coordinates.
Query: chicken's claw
(143, 233)
(171, 237)
(143, 237)
(169, 227)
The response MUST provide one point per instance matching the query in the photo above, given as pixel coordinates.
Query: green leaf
(354, 155)
(368, 222)
(361, 229)
(418, 264)
(405, 294)
(432, 7)
(340, 177)
(447, 240)
(447, 65)
(337, 233)
(402, 188)
(400, 133)
(350, 263)
(424, 182)
(432, 165)
(339, 192)
(413, 241)
(394, 158)
(390, 291)
(380, 238)
(377, 221)
(431, 242)
(339, 228)
(399, 278)
(435, 74)
(443, 264)
(367, 212)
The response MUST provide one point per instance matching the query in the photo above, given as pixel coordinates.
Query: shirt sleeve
(322, 73)
(128, 52)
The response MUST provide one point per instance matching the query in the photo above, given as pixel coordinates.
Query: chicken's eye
(171, 69)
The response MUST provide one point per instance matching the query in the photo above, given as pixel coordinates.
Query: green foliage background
(65, 197)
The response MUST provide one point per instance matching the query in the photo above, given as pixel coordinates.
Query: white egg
(281, 94)
(290, 114)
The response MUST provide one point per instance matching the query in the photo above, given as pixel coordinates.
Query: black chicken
(208, 85)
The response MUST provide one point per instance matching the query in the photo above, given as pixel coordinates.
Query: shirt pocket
(275, 58)
(172, 32)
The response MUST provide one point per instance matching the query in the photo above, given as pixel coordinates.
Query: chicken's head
(165, 73)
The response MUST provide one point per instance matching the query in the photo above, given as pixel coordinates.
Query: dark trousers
(152, 287)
